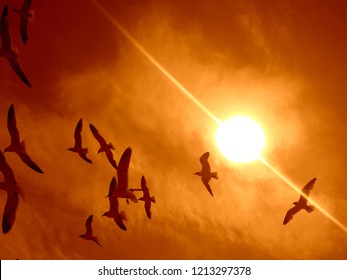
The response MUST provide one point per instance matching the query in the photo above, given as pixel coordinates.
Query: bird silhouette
(122, 190)
(10, 186)
(301, 203)
(25, 14)
(104, 147)
(146, 196)
(205, 172)
(114, 213)
(78, 143)
(89, 231)
(16, 145)
(7, 51)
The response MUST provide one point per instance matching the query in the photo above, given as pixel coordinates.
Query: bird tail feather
(214, 175)
(309, 208)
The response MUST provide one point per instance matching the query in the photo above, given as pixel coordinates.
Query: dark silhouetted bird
(205, 172)
(301, 203)
(104, 147)
(89, 231)
(16, 145)
(146, 196)
(10, 186)
(6, 50)
(114, 213)
(78, 143)
(122, 190)
(25, 14)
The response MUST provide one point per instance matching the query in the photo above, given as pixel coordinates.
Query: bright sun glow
(240, 139)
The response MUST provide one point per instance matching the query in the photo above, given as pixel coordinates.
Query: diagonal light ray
(155, 62)
(298, 190)
(205, 110)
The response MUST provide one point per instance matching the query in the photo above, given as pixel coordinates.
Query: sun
(240, 139)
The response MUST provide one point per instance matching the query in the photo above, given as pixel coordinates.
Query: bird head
(99, 151)
(105, 214)
(69, 149)
(196, 173)
(295, 203)
(80, 235)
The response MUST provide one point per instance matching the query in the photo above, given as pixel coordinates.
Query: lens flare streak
(309, 199)
(155, 63)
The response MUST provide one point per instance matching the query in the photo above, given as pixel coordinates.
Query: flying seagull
(146, 196)
(89, 231)
(301, 203)
(78, 143)
(205, 172)
(25, 14)
(121, 190)
(104, 147)
(12, 189)
(114, 213)
(6, 50)
(16, 145)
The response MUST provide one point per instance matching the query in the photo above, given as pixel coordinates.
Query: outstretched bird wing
(77, 134)
(29, 162)
(290, 213)
(122, 170)
(18, 70)
(89, 230)
(110, 158)
(97, 136)
(6, 42)
(204, 163)
(144, 187)
(6, 170)
(12, 126)
(207, 185)
(306, 190)
(24, 21)
(9, 215)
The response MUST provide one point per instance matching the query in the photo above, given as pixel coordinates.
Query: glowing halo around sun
(240, 139)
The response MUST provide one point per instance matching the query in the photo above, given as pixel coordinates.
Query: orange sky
(282, 64)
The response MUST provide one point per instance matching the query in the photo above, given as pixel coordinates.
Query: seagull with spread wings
(82, 152)
(10, 186)
(89, 231)
(205, 172)
(25, 14)
(7, 51)
(122, 190)
(147, 198)
(104, 147)
(114, 213)
(301, 203)
(16, 145)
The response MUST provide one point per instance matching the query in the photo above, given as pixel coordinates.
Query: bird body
(82, 152)
(114, 213)
(205, 172)
(7, 51)
(104, 146)
(16, 145)
(25, 14)
(301, 204)
(89, 231)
